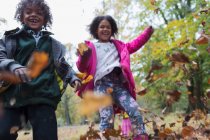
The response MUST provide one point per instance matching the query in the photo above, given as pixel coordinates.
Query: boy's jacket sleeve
(63, 69)
(6, 63)
(66, 72)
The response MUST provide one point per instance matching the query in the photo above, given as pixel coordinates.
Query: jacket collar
(24, 28)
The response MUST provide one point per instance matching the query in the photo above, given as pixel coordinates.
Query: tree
(174, 45)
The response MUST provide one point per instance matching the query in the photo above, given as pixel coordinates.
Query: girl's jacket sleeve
(137, 43)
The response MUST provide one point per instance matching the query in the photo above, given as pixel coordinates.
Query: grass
(64, 133)
(74, 132)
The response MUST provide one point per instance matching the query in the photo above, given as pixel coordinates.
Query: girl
(33, 99)
(108, 61)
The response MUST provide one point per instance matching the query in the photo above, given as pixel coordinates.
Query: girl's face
(104, 31)
(33, 17)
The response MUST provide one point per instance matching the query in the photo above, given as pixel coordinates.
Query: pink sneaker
(141, 137)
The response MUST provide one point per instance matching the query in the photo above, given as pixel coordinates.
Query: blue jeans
(122, 98)
(42, 119)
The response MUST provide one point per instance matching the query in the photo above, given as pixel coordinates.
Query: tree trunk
(196, 89)
(66, 110)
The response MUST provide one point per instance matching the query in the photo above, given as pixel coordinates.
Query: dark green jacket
(16, 48)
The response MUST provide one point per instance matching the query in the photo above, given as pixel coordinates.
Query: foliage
(179, 45)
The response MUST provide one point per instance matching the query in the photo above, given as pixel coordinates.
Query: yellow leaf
(88, 79)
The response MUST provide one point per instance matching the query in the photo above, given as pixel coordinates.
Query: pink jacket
(124, 50)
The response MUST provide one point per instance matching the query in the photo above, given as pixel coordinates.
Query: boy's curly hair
(96, 21)
(39, 3)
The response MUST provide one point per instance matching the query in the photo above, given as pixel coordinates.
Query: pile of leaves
(186, 126)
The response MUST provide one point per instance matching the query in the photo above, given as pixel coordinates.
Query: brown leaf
(202, 40)
(183, 42)
(167, 131)
(179, 57)
(91, 134)
(198, 114)
(112, 132)
(162, 135)
(172, 124)
(142, 92)
(156, 10)
(187, 131)
(153, 2)
(109, 90)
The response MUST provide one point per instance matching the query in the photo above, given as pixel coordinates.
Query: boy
(34, 99)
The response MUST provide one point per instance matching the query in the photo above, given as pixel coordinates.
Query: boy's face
(104, 31)
(33, 17)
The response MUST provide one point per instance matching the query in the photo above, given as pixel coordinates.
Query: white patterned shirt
(107, 59)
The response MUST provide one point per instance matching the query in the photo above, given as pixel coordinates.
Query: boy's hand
(22, 74)
(76, 85)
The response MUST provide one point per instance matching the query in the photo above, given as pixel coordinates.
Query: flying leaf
(184, 42)
(91, 103)
(179, 57)
(152, 2)
(142, 92)
(203, 39)
(82, 47)
(156, 10)
(37, 62)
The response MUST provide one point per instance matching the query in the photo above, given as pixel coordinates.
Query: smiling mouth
(34, 20)
(106, 34)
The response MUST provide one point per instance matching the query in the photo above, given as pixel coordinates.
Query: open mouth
(34, 20)
(106, 34)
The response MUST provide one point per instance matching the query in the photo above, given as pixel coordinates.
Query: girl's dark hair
(96, 21)
(39, 3)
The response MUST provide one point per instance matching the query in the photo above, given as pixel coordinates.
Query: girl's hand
(151, 28)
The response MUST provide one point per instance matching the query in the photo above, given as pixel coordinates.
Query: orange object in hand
(37, 62)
